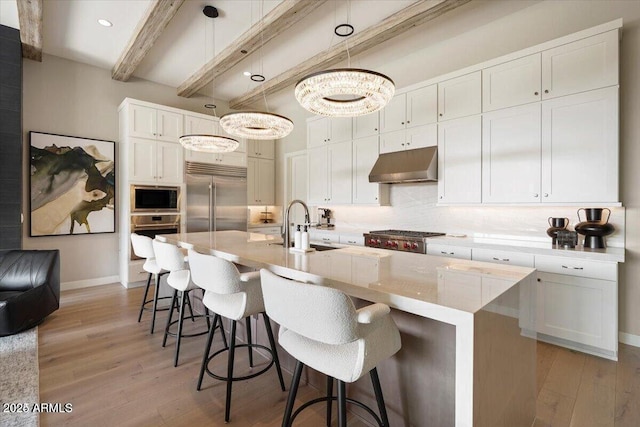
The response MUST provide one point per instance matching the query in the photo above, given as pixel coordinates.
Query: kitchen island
(468, 356)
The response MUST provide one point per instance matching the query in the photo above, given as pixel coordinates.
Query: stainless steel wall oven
(154, 198)
(152, 225)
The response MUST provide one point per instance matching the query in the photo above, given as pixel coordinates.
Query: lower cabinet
(448, 251)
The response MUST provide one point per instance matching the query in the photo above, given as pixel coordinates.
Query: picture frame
(72, 183)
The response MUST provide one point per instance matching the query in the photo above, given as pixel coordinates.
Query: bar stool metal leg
(155, 302)
(329, 399)
(144, 299)
(183, 297)
(193, 319)
(247, 321)
(232, 348)
(342, 404)
(173, 304)
(207, 349)
(379, 398)
(272, 344)
(293, 390)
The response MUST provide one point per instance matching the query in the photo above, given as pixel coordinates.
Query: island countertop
(424, 285)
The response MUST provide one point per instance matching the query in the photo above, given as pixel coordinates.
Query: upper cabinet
(325, 130)
(409, 139)
(265, 149)
(586, 64)
(155, 161)
(365, 154)
(460, 96)
(152, 123)
(330, 174)
(414, 108)
(208, 126)
(513, 83)
(260, 181)
(367, 125)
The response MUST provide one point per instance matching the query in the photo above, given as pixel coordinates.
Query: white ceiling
(70, 30)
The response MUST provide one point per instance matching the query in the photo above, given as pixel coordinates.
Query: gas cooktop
(399, 240)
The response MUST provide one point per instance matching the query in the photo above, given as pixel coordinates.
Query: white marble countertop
(262, 224)
(429, 286)
(530, 247)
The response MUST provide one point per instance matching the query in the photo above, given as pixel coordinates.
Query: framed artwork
(73, 185)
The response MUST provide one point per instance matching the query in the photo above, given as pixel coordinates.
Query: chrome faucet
(286, 232)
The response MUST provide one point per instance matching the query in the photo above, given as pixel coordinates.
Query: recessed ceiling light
(105, 23)
(247, 73)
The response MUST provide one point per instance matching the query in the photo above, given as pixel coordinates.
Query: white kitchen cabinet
(330, 174)
(512, 83)
(152, 123)
(511, 150)
(580, 147)
(260, 181)
(409, 139)
(502, 257)
(459, 160)
(448, 251)
(350, 239)
(460, 96)
(578, 309)
(194, 125)
(155, 161)
(367, 125)
(265, 149)
(324, 130)
(365, 154)
(583, 65)
(234, 158)
(414, 108)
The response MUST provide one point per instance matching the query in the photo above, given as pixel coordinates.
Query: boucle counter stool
(169, 257)
(234, 296)
(143, 248)
(320, 328)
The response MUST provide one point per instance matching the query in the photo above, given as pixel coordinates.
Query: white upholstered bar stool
(169, 257)
(143, 248)
(320, 328)
(234, 296)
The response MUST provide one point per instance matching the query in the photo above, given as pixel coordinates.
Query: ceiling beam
(156, 19)
(280, 18)
(30, 20)
(416, 14)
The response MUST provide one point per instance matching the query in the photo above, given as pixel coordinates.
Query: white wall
(476, 32)
(69, 98)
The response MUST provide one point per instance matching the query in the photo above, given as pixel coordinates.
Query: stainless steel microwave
(154, 198)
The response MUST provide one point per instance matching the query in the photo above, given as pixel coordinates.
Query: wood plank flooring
(95, 355)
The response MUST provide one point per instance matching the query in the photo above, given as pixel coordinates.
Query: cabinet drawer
(577, 267)
(503, 257)
(448, 251)
(273, 231)
(325, 237)
(352, 240)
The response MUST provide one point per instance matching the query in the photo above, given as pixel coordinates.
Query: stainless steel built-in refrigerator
(216, 198)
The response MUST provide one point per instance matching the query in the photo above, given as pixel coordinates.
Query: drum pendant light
(206, 142)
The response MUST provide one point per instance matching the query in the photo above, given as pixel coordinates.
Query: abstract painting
(72, 184)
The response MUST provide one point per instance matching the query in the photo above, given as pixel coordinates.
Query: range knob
(414, 246)
(378, 242)
(394, 244)
(406, 245)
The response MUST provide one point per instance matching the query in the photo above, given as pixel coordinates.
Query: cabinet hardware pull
(535, 195)
(408, 121)
(503, 259)
(546, 194)
(535, 93)
(376, 129)
(440, 114)
(573, 268)
(447, 253)
(546, 91)
(402, 123)
(351, 241)
(402, 144)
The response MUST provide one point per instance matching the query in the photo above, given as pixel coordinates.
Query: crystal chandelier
(344, 92)
(256, 125)
(206, 142)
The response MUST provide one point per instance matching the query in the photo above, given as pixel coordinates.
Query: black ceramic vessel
(594, 229)
(557, 224)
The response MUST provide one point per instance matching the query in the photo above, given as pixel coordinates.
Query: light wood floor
(95, 355)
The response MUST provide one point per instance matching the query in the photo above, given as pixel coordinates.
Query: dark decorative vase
(557, 224)
(594, 229)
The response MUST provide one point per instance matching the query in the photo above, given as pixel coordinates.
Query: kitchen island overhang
(478, 314)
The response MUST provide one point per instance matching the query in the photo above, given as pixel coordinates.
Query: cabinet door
(142, 122)
(580, 147)
(393, 141)
(460, 97)
(511, 149)
(365, 154)
(266, 182)
(169, 126)
(393, 115)
(318, 176)
(459, 160)
(366, 125)
(502, 257)
(339, 158)
(422, 106)
(262, 148)
(232, 159)
(578, 309)
(142, 160)
(339, 130)
(422, 136)
(253, 186)
(583, 65)
(198, 125)
(170, 163)
(513, 83)
(200, 157)
(317, 132)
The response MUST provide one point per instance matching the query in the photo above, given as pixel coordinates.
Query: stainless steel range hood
(417, 165)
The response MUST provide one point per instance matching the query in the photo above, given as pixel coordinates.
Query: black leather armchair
(29, 288)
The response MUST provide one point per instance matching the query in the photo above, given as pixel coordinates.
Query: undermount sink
(313, 245)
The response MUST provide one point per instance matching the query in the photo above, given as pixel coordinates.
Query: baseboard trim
(629, 339)
(87, 283)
